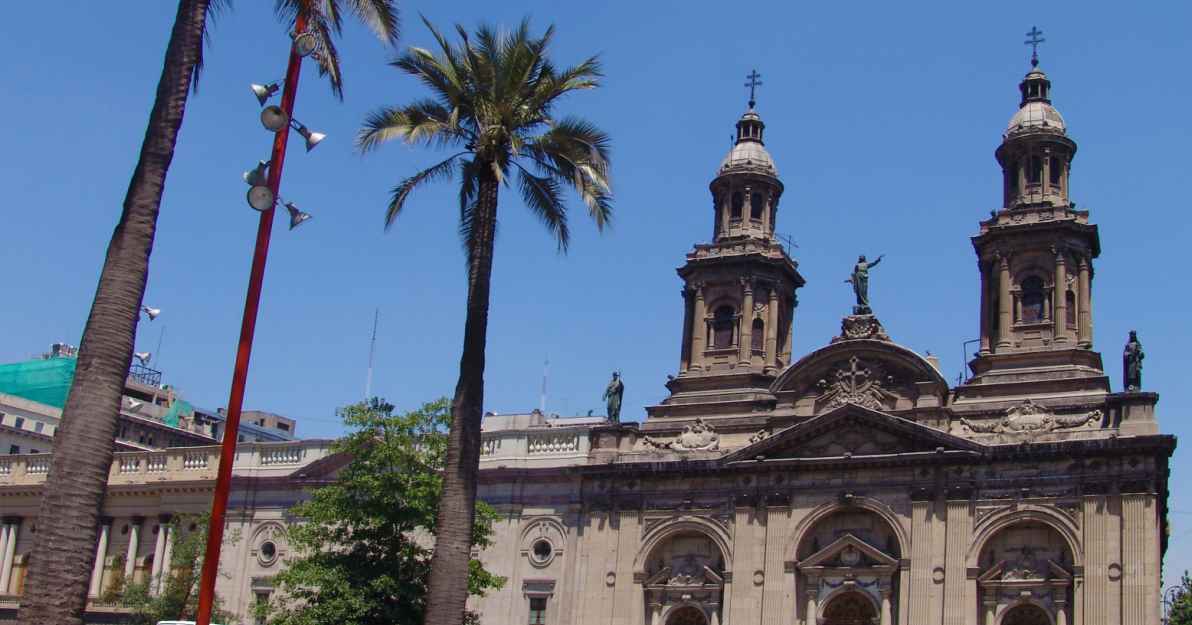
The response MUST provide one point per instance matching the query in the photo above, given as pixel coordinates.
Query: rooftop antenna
(1034, 42)
(372, 350)
(545, 374)
(160, 337)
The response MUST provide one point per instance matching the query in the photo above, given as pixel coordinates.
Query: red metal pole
(252, 301)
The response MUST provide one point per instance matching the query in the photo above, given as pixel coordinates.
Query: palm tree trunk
(447, 590)
(64, 547)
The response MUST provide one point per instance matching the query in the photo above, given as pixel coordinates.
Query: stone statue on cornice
(860, 282)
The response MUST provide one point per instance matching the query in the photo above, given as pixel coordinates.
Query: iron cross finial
(1034, 42)
(753, 84)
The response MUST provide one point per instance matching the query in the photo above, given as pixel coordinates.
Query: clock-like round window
(542, 551)
(267, 553)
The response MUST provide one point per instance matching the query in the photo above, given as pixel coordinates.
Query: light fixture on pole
(297, 217)
(305, 43)
(273, 118)
(143, 357)
(264, 92)
(312, 138)
(261, 198)
(258, 176)
(152, 313)
(134, 405)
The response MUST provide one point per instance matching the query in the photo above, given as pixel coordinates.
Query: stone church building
(852, 485)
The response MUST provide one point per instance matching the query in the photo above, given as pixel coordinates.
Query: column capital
(11, 520)
(165, 518)
(747, 283)
(106, 520)
(136, 520)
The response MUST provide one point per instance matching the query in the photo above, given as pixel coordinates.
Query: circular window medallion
(1115, 571)
(758, 578)
(267, 553)
(610, 579)
(937, 575)
(541, 552)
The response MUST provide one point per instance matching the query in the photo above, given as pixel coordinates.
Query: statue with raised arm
(612, 394)
(1132, 363)
(860, 281)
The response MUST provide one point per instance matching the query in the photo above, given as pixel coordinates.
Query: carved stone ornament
(760, 436)
(857, 382)
(855, 327)
(695, 437)
(1025, 567)
(1031, 418)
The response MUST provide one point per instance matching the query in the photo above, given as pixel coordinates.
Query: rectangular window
(19, 423)
(14, 449)
(262, 599)
(285, 427)
(38, 427)
(34, 451)
(537, 610)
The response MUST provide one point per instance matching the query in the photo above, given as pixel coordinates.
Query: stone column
(1061, 298)
(12, 528)
(1061, 612)
(699, 330)
(887, 617)
(159, 553)
(101, 554)
(685, 346)
(1023, 163)
(812, 594)
(772, 329)
(1084, 307)
(990, 604)
(1003, 302)
(3, 550)
(166, 557)
(986, 276)
(746, 334)
(134, 543)
(1045, 179)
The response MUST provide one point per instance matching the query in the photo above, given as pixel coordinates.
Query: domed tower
(1035, 255)
(739, 290)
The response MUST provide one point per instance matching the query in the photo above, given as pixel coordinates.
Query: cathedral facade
(852, 485)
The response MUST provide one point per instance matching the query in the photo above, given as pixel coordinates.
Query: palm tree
(64, 547)
(493, 103)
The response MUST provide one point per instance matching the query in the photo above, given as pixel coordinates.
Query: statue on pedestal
(612, 394)
(860, 281)
(1132, 357)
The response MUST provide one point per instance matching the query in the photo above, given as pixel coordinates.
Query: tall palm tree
(64, 547)
(492, 105)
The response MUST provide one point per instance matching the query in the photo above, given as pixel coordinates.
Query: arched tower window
(758, 339)
(738, 204)
(1034, 174)
(755, 206)
(1070, 300)
(722, 327)
(1032, 299)
(1057, 170)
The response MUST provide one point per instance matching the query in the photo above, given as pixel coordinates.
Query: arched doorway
(1026, 614)
(687, 615)
(850, 608)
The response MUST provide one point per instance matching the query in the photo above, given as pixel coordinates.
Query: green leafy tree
(364, 546)
(179, 597)
(1181, 606)
(492, 104)
(64, 549)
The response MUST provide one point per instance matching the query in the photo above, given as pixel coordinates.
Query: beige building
(848, 486)
(852, 485)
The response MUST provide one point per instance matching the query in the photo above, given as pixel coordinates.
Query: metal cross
(1034, 42)
(753, 84)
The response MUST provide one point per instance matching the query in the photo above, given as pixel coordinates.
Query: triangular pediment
(848, 551)
(855, 432)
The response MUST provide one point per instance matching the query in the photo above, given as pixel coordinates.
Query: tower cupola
(746, 189)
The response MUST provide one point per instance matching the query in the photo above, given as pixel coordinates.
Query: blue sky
(882, 119)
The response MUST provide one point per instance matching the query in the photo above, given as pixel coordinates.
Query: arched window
(757, 342)
(1034, 174)
(755, 206)
(1057, 170)
(1070, 299)
(738, 204)
(1012, 177)
(1032, 299)
(722, 327)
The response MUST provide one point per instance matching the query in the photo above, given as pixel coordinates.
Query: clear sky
(882, 118)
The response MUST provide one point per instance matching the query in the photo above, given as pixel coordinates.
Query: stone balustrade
(178, 463)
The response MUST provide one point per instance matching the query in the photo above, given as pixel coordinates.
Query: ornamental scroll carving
(857, 382)
(1031, 418)
(695, 437)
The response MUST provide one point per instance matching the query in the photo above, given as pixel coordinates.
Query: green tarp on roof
(43, 381)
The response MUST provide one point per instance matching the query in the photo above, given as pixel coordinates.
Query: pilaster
(921, 538)
(628, 597)
(956, 604)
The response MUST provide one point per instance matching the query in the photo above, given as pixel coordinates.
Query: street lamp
(143, 357)
(264, 92)
(262, 197)
(152, 313)
(312, 138)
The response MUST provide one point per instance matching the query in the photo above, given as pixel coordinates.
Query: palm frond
(324, 18)
(543, 196)
(443, 170)
(424, 121)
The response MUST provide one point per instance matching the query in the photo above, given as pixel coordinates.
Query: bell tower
(738, 290)
(1035, 257)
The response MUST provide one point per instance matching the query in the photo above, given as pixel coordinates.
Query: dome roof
(748, 156)
(1036, 115)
